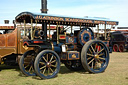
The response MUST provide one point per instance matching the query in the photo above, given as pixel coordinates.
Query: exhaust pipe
(44, 6)
(6, 21)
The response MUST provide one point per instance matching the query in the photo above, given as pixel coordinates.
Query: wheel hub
(48, 64)
(96, 56)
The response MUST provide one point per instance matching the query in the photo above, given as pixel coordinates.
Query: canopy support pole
(98, 31)
(110, 29)
(71, 28)
(31, 29)
(80, 26)
(49, 32)
(24, 28)
(105, 32)
(57, 34)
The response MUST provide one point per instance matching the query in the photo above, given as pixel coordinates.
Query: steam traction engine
(119, 41)
(77, 49)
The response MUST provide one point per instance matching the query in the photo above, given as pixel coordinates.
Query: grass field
(115, 74)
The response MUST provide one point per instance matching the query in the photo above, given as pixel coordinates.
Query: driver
(38, 34)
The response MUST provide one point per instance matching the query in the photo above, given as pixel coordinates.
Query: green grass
(115, 74)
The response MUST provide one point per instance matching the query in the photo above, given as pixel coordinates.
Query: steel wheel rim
(115, 48)
(97, 57)
(121, 48)
(28, 64)
(48, 65)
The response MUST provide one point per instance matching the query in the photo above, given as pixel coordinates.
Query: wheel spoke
(42, 63)
(99, 61)
(90, 55)
(100, 51)
(89, 58)
(26, 66)
(51, 59)
(91, 61)
(33, 69)
(30, 68)
(53, 66)
(93, 49)
(95, 46)
(51, 70)
(101, 58)
(101, 54)
(48, 71)
(90, 50)
(42, 67)
(44, 70)
(45, 59)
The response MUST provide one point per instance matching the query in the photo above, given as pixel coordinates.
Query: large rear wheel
(121, 48)
(47, 64)
(115, 48)
(95, 56)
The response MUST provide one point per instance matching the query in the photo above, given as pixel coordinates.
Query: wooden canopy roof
(62, 20)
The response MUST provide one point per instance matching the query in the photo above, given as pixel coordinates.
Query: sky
(116, 10)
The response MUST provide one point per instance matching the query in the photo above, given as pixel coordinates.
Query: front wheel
(95, 56)
(26, 63)
(47, 64)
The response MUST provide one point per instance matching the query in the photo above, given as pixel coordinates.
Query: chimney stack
(44, 6)
(6, 21)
